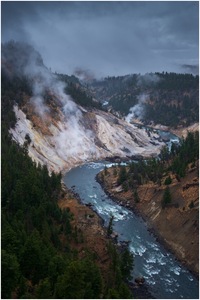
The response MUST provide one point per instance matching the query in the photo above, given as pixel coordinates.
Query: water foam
(190, 278)
(176, 270)
(152, 259)
(95, 165)
(150, 281)
(118, 213)
(161, 259)
(138, 249)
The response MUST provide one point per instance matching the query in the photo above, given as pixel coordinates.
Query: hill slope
(169, 99)
(57, 130)
(62, 144)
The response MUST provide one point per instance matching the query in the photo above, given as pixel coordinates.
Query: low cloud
(83, 74)
(107, 37)
(148, 79)
(193, 69)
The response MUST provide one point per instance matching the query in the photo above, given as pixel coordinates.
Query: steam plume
(138, 110)
(25, 61)
(144, 82)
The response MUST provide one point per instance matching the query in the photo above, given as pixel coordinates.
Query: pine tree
(166, 197)
(122, 175)
(9, 274)
(136, 197)
(110, 226)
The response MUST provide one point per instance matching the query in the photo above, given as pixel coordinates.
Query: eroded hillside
(60, 129)
(64, 142)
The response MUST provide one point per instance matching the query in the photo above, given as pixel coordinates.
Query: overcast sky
(107, 38)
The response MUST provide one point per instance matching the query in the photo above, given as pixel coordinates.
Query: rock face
(63, 141)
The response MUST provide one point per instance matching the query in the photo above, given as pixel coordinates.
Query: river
(166, 278)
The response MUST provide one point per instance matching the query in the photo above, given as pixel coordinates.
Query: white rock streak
(67, 146)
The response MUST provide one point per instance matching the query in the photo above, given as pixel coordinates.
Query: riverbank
(175, 228)
(183, 131)
(180, 131)
(92, 235)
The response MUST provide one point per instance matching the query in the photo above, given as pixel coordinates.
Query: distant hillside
(162, 98)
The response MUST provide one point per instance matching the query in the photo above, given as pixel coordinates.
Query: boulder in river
(140, 280)
(114, 235)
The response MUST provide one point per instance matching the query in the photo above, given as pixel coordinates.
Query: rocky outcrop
(139, 280)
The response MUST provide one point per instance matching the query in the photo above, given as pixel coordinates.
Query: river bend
(166, 278)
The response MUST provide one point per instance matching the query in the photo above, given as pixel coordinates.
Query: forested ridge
(38, 259)
(170, 99)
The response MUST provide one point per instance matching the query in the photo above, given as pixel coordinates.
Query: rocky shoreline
(150, 227)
